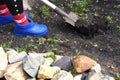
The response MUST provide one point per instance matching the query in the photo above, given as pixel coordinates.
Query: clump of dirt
(91, 25)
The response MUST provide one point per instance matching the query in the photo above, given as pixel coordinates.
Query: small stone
(15, 72)
(31, 79)
(26, 5)
(31, 65)
(2, 50)
(58, 57)
(81, 76)
(40, 79)
(48, 61)
(94, 76)
(82, 63)
(78, 77)
(96, 67)
(11, 53)
(64, 63)
(63, 75)
(17, 58)
(3, 62)
(40, 54)
(107, 77)
(47, 72)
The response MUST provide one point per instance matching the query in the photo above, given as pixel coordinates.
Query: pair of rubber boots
(29, 29)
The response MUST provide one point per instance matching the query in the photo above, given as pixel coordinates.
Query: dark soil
(103, 46)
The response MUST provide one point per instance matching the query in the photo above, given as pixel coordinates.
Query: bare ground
(103, 47)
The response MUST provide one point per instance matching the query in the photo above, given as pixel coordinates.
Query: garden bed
(104, 47)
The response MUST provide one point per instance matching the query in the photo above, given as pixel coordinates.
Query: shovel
(86, 27)
(70, 18)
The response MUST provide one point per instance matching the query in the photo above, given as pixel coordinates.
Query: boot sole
(41, 34)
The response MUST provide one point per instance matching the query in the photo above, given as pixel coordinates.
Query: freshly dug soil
(103, 46)
(91, 25)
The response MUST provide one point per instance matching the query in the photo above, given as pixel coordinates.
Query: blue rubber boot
(5, 19)
(30, 29)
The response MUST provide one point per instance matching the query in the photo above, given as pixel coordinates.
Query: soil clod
(91, 25)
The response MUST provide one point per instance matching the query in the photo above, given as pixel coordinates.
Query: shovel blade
(71, 18)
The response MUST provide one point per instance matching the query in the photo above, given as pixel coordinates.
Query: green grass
(118, 27)
(54, 49)
(96, 14)
(19, 49)
(24, 48)
(79, 6)
(117, 6)
(40, 41)
(5, 46)
(84, 17)
(45, 10)
(110, 19)
(73, 71)
(77, 53)
(51, 56)
(32, 15)
(58, 71)
(53, 40)
(118, 76)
